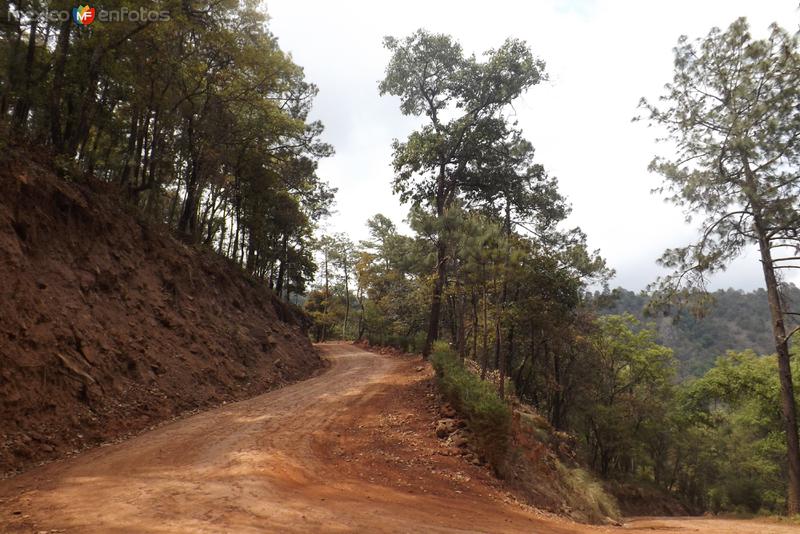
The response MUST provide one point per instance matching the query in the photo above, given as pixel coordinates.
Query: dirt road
(345, 451)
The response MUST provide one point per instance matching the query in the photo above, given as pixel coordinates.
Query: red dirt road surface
(351, 450)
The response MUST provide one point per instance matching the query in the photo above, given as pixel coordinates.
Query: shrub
(487, 416)
(405, 343)
(586, 495)
(417, 342)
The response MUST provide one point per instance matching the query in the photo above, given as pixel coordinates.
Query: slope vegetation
(108, 326)
(736, 320)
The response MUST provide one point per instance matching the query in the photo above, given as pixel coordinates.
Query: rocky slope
(108, 326)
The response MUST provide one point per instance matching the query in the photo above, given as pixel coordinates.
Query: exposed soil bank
(108, 326)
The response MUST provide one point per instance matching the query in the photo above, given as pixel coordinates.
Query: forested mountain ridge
(735, 320)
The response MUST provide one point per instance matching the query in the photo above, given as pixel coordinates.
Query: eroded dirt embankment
(108, 326)
(351, 450)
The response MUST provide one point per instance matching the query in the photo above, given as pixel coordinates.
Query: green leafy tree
(627, 391)
(433, 77)
(732, 414)
(345, 256)
(200, 119)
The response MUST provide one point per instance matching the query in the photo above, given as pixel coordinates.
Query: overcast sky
(601, 56)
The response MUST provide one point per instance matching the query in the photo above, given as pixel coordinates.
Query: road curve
(250, 466)
(268, 464)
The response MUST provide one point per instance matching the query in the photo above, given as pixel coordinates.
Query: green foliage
(199, 118)
(733, 320)
(411, 344)
(507, 284)
(586, 494)
(625, 399)
(732, 111)
(486, 414)
(466, 144)
(733, 414)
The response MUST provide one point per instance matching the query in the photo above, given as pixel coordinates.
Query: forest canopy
(199, 117)
(653, 385)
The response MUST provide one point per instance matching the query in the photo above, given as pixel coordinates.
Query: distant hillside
(737, 320)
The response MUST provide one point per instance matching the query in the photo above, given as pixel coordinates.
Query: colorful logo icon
(83, 15)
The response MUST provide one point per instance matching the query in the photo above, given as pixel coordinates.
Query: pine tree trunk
(132, 136)
(474, 324)
(789, 411)
(441, 269)
(282, 269)
(23, 105)
(461, 323)
(361, 325)
(436, 299)
(485, 362)
(187, 221)
(59, 68)
(326, 298)
(501, 362)
(788, 408)
(346, 298)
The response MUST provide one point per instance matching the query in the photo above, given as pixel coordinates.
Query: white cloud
(601, 58)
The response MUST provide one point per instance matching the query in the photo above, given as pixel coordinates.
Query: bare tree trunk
(56, 92)
(132, 136)
(788, 408)
(361, 325)
(462, 327)
(485, 362)
(474, 324)
(188, 218)
(282, 269)
(436, 299)
(327, 296)
(23, 105)
(441, 270)
(500, 361)
(346, 295)
(789, 411)
(13, 36)
(502, 387)
(557, 393)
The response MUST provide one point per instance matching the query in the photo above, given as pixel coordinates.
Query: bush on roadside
(587, 498)
(488, 417)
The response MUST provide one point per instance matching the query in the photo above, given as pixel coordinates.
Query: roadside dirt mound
(543, 469)
(108, 326)
(540, 467)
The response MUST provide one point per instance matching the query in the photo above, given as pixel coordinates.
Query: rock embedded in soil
(445, 427)
(447, 411)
